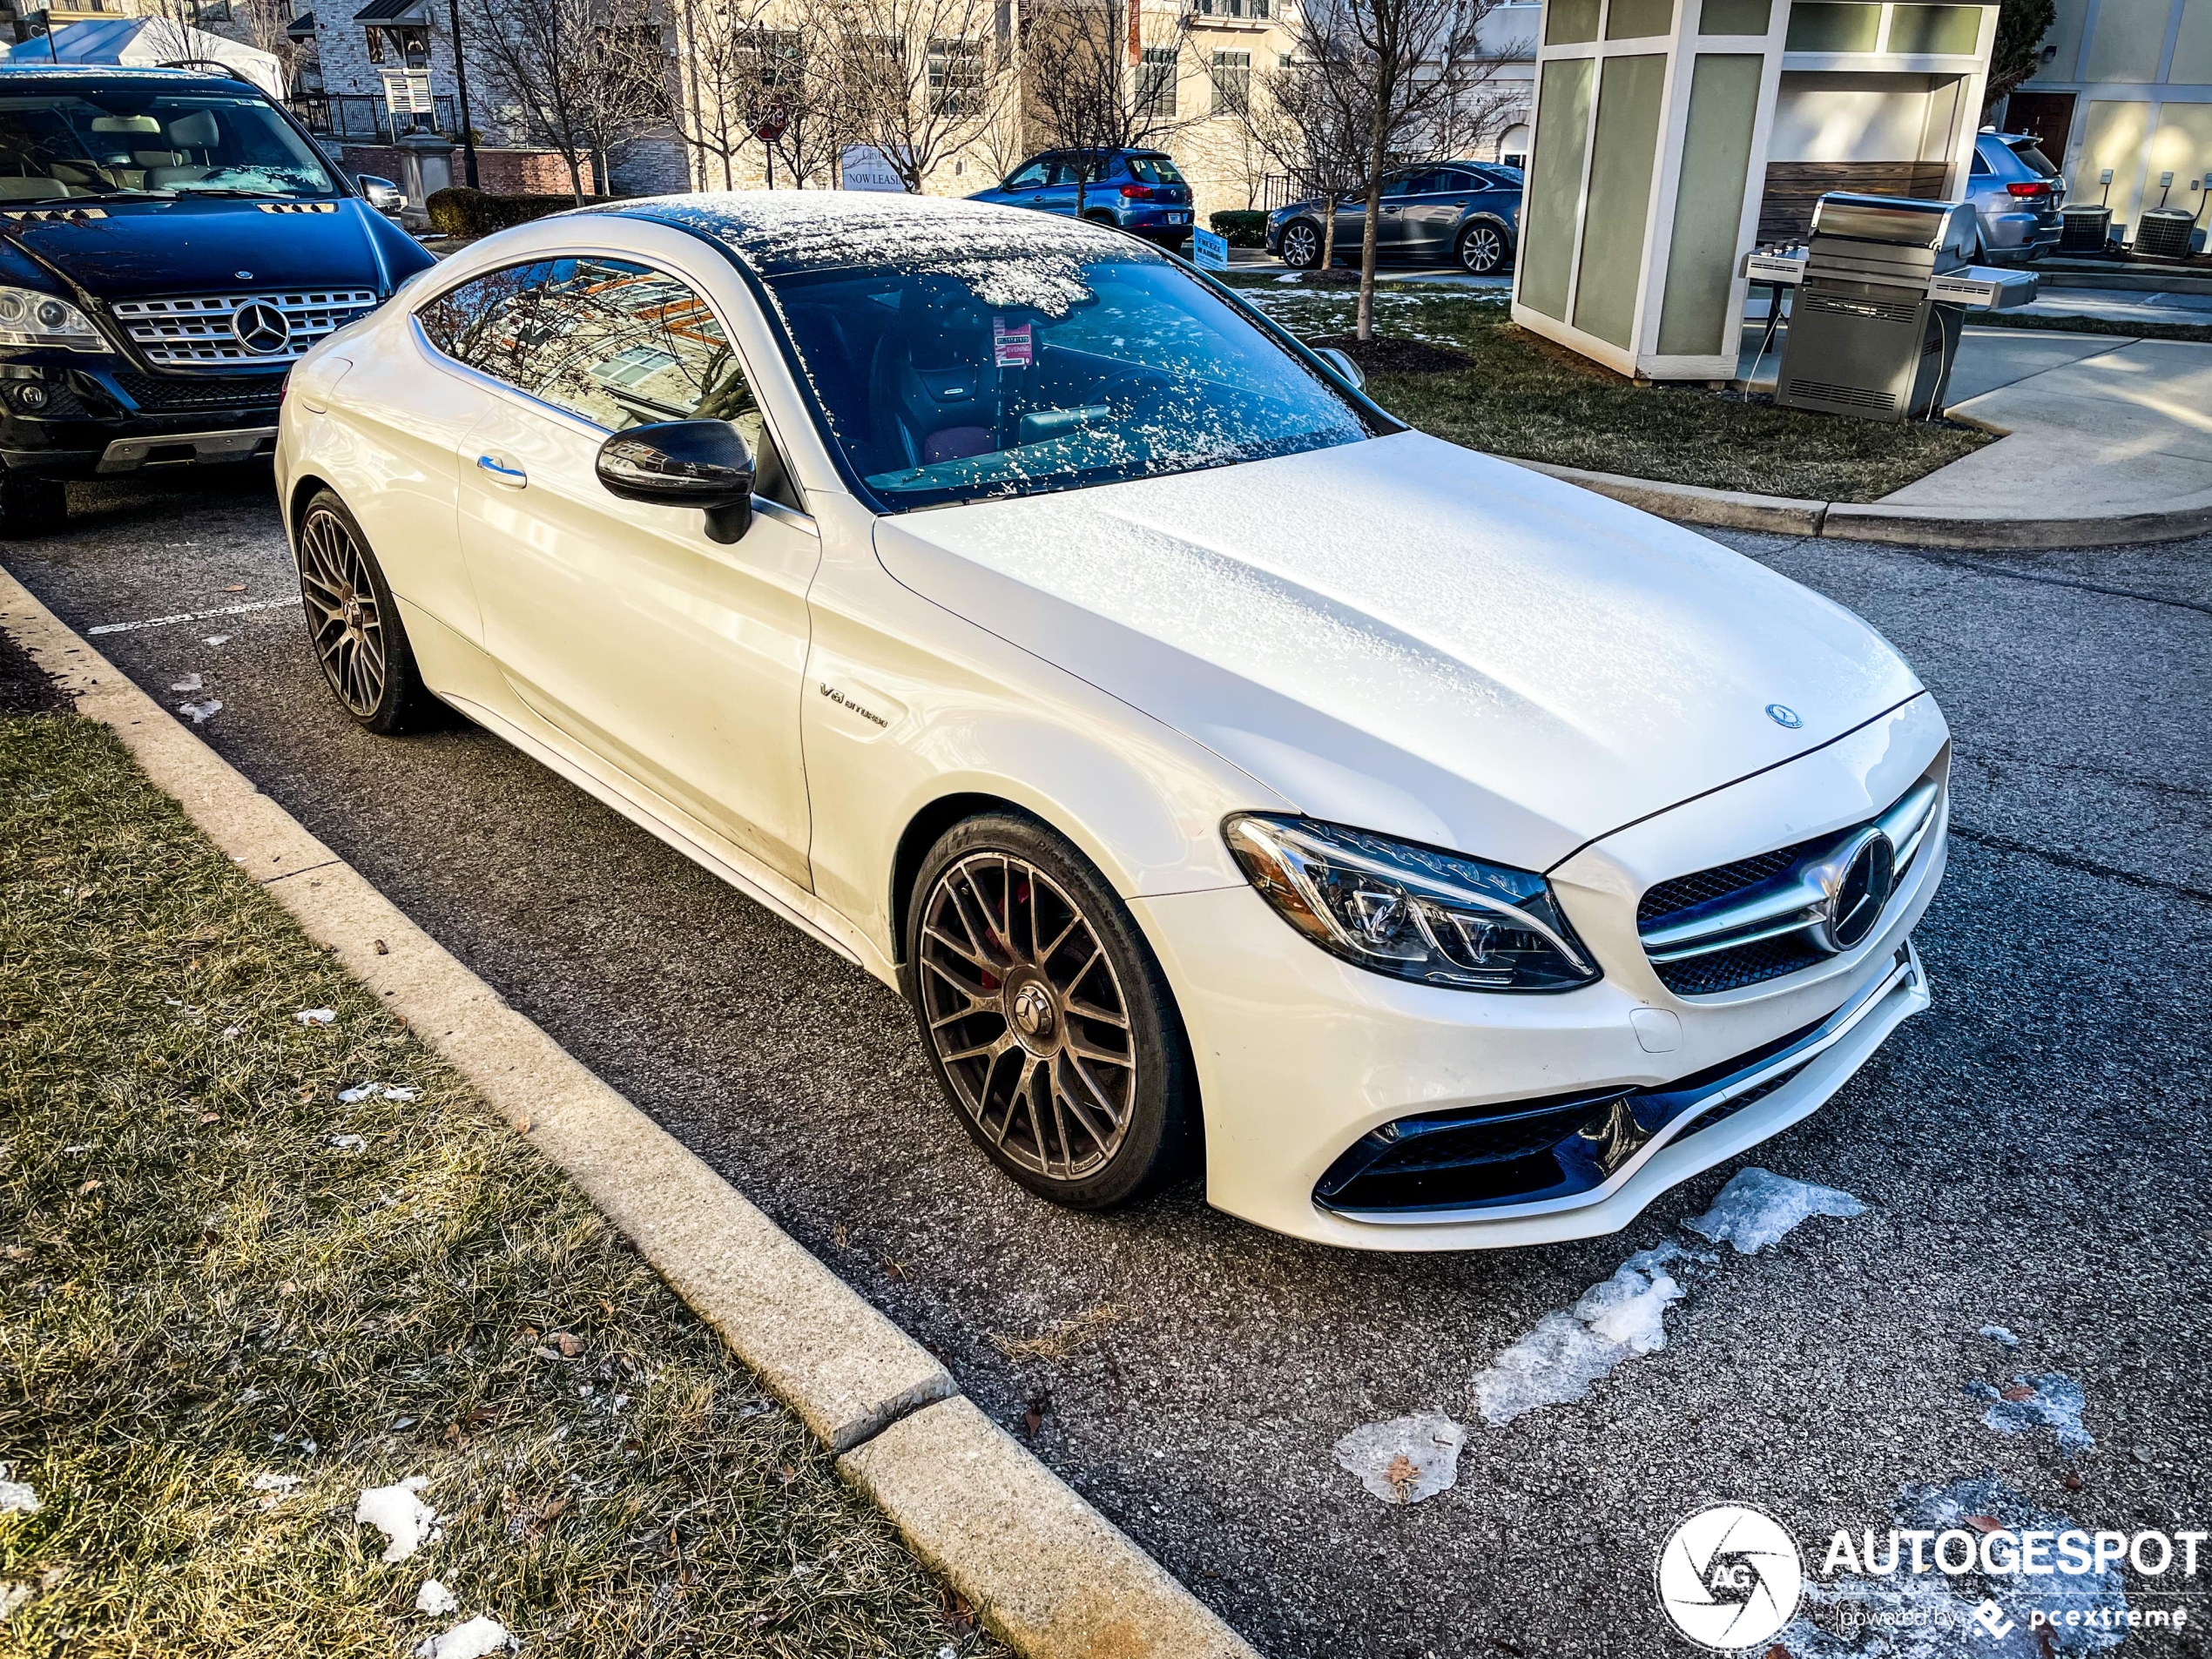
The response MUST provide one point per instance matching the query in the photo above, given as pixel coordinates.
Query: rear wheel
(1482, 249)
(354, 626)
(1048, 1021)
(31, 506)
(1300, 244)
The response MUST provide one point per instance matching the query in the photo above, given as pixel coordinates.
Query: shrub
(1242, 226)
(459, 211)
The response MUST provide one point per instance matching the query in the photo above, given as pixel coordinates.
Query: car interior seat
(932, 386)
(192, 139)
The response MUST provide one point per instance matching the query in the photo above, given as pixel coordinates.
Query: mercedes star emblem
(243, 276)
(1782, 715)
(260, 326)
(1857, 878)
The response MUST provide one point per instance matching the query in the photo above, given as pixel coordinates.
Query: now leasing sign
(862, 167)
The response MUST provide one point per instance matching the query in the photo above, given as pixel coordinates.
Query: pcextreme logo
(1730, 1577)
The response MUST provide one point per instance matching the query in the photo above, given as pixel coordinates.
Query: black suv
(170, 244)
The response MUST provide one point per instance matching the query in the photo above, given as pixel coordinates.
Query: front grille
(231, 391)
(1719, 882)
(1730, 970)
(200, 330)
(1749, 1098)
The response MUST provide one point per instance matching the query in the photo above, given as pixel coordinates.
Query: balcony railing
(363, 118)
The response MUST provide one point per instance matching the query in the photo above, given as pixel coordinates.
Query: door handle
(514, 477)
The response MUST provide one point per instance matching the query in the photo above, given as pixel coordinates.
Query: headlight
(30, 318)
(1410, 911)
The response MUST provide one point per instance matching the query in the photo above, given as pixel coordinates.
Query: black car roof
(16, 77)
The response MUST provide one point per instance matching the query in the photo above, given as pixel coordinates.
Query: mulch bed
(1394, 354)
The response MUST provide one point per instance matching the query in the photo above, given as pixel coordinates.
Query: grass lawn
(2198, 332)
(1517, 395)
(231, 1298)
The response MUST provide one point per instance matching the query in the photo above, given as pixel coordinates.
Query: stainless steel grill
(1776, 913)
(206, 330)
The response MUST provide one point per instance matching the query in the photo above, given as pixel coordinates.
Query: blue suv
(1139, 190)
(170, 244)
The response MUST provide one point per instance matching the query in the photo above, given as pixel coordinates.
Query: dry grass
(1064, 1339)
(198, 1284)
(1523, 396)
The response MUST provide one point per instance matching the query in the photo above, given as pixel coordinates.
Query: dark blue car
(170, 244)
(1465, 211)
(1139, 190)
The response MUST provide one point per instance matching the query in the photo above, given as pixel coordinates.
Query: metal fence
(362, 118)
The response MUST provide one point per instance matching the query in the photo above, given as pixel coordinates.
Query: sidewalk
(2095, 423)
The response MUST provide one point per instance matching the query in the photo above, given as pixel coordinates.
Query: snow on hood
(1415, 638)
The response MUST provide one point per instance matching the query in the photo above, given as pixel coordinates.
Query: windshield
(63, 146)
(1026, 373)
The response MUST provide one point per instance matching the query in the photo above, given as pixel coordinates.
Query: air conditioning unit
(2164, 233)
(2086, 229)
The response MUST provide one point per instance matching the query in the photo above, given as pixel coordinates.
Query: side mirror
(383, 195)
(1348, 371)
(684, 464)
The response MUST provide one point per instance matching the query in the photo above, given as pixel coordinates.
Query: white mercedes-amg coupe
(1449, 856)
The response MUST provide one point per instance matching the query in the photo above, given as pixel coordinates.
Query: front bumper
(1300, 1055)
(98, 415)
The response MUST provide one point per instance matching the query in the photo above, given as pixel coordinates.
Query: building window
(956, 77)
(212, 12)
(1156, 82)
(1232, 83)
(375, 45)
(1255, 10)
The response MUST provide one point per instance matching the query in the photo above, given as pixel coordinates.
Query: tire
(1065, 1056)
(31, 506)
(353, 625)
(1300, 244)
(1482, 249)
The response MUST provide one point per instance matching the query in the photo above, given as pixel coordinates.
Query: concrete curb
(1965, 527)
(1044, 1569)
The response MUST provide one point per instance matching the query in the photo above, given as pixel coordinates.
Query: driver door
(675, 660)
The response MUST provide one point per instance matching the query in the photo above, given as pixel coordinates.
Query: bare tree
(714, 106)
(1392, 72)
(1100, 75)
(587, 75)
(801, 99)
(919, 78)
(1299, 122)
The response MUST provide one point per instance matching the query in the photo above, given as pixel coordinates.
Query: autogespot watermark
(1732, 1578)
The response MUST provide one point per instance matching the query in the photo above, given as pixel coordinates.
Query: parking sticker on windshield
(1009, 343)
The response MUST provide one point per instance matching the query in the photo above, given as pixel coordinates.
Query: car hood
(1409, 637)
(184, 247)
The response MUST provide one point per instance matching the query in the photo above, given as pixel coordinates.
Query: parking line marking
(193, 615)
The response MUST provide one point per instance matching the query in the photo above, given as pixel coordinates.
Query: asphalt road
(2032, 1153)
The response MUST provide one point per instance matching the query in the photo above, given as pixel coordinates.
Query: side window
(1980, 167)
(1456, 181)
(614, 342)
(1029, 177)
(1402, 185)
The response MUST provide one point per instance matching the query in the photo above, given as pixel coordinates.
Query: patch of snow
(199, 713)
(17, 1498)
(230, 1031)
(266, 1482)
(2053, 1401)
(400, 1515)
(1406, 1460)
(1999, 1334)
(218, 639)
(13, 1596)
(316, 1016)
(346, 1143)
(434, 1599)
(1289, 277)
(478, 1637)
(1614, 1320)
(190, 682)
(1759, 1208)
(387, 1091)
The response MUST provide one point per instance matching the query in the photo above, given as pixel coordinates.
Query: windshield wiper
(233, 193)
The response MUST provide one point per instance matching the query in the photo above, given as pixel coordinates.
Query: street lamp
(460, 83)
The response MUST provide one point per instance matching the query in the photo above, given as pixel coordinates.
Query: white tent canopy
(150, 43)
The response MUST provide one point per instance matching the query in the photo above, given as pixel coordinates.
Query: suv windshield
(1024, 372)
(58, 146)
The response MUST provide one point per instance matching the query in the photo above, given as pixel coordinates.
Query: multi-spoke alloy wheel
(355, 627)
(342, 613)
(1482, 250)
(1027, 1016)
(1050, 1023)
(1301, 245)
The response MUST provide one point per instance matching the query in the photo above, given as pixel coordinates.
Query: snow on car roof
(1009, 256)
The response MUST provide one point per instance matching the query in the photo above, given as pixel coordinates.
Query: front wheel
(1482, 249)
(1046, 1019)
(1300, 244)
(354, 626)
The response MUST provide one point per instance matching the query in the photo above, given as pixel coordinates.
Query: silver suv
(2016, 193)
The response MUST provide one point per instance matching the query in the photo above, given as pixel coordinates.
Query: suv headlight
(1412, 912)
(30, 318)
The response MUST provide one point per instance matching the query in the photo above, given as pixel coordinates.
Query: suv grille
(231, 391)
(203, 329)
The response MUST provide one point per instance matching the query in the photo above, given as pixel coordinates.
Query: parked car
(170, 244)
(1469, 212)
(2016, 194)
(1139, 190)
(1002, 603)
